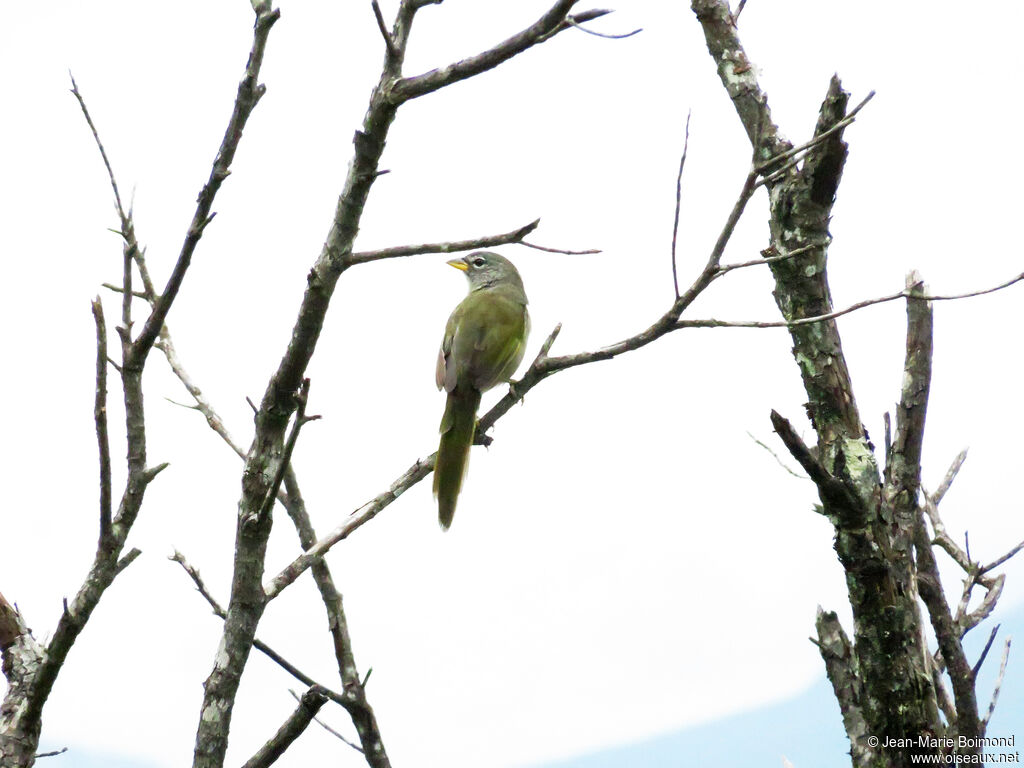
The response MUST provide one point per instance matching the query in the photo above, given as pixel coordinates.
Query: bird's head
(487, 270)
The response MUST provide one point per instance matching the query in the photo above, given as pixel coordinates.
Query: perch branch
(542, 367)
(515, 236)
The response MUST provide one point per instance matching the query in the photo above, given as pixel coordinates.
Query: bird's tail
(457, 427)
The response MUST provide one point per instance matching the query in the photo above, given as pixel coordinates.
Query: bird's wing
(445, 373)
(499, 349)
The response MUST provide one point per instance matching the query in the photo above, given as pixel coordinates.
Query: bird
(483, 345)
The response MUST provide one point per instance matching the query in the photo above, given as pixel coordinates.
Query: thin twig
(985, 608)
(837, 497)
(574, 23)
(795, 155)
(770, 259)
(310, 703)
(998, 685)
(679, 195)
(99, 144)
(545, 248)
(981, 659)
(515, 236)
(328, 728)
(389, 41)
(712, 323)
(258, 644)
(301, 419)
(950, 476)
(54, 753)
(999, 561)
(942, 537)
(119, 289)
(776, 457)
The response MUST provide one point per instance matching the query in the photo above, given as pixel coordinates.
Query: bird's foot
(513, 388)
(482, 438)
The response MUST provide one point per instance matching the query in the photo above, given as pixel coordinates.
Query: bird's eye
(478, 262)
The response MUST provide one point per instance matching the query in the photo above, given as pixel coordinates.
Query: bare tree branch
(607, 36)
(947, 635)
(942, 538)
(389, 43)
(328, 728)
(904, 467)
(249, 94)
(546, 249)
(258, 644)
(300, 420)
(679, 195)
(770, 257)
(420, 469)
(311, 702)
(52, 753)
(99, 144)
(840, 501)
(23, 657)
(841, 668)
(100, 417)
(264, 459)
(775, 456)
(354, 700)
(796, 323)
(988, 645)
(998, 685)
(1000, 560)
(515, 236)
(551, 23)
(791, 157)
(356, 704)
(27, 695)
(947, 481)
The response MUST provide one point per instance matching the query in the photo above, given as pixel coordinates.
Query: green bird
(483, 345)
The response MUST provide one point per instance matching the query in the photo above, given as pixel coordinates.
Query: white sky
(625, 560)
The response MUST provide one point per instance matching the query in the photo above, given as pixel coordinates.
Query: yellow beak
(458, 264)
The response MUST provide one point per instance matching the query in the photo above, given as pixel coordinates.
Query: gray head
(489, 270)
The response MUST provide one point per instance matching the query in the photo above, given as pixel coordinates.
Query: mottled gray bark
(885, 680)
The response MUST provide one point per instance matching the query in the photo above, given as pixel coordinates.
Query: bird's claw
(482, 438)
(513, 388)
